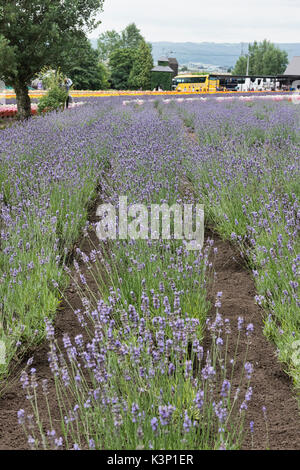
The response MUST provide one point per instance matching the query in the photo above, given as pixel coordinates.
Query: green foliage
(82, 65)
(264, 59)
(54, 100)
(240, 67)
(140, 74)
(131, 37)
(129, 57)
(107, 43)
(51, 78)
(121, 62)
(110, 41)
(39, 33)
(104, 74)
(7, 59)
(162, 79)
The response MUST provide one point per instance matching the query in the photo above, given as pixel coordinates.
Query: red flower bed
(10, 110)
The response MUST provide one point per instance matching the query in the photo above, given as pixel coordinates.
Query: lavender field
(149, 366)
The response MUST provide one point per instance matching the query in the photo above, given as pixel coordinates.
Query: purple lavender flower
(31, 442)
(248, 370)
(225, 388)
(134, 412)
(188, 369)
(240, 323)
(165, 414)
(199, 400)
(24, 379)
(21, 417)
(187, 423)
(249, 329)
(154, 424)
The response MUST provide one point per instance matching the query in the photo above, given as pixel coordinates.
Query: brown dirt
(271, 386)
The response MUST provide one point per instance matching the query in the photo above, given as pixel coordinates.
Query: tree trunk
(23, 101)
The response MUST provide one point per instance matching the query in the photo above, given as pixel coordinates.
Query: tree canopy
(264, 59)
(141, 69)
(36, 33)
(131, 37)
(82, 65)
(110, 41)
(107, 43)
(120, 63)
(128, 56)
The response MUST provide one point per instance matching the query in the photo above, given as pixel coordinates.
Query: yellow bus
(195, 83)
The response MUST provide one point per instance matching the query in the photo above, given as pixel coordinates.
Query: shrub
(55, 99)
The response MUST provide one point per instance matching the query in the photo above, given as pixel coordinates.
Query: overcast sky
(205, 20)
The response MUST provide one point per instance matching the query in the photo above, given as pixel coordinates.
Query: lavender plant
(51, 168)
(244, 164)
(141, 383)
(139, 376)
(142, 379)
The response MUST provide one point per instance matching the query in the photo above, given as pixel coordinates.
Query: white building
(293, 68)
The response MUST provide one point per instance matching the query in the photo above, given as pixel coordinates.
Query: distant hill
(223, 54)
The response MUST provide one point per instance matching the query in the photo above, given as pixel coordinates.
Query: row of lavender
(138, 376)
(50, 167)
(244, 166)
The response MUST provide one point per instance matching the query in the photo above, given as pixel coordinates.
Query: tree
(120, 63)
(140, 74)
(264, 59)
(104, 75)
(82, 65)
(35, 33)
(107, 43)
(240, 67)
(110, 41)
(129, 57)
(131, 37)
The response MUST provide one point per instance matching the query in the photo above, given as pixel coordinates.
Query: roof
(172, 60)
(191, 75)
(163, 59)
(294, 66)
(162, 68)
